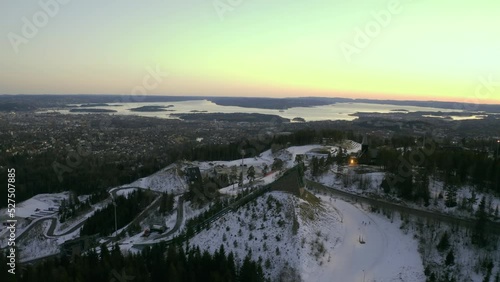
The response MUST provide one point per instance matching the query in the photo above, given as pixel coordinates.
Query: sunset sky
(418, 50)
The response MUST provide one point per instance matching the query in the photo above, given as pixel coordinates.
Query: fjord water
(339, 111)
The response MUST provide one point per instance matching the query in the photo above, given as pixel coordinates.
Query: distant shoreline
(232, 117)
(26, 102)
(92, 111)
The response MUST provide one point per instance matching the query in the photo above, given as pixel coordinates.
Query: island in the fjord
(151, 108)
(91, 105)
(298, 119)
(93, 110)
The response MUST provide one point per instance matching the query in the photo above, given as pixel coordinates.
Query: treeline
(413, 186)
(48, 172)
(321, 165)
(459, 167)
(166, 203)
(455, 167)
(155, 264)
(102, 222)
(74, 207)
(253, 147)
(311, 136)
(409, 178)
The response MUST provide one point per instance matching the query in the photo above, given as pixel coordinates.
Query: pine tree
(265, 169)
(104, 255)
(341, 156)
(314, 166)
(386, 187)
(451, 196)
(233, 174)
(444, 243)
(246, 271)
(450, 258)
(481, 220)
(321, 165)
(277, 164)
(267, 263)
(422, 189)
(405, 187)
(472, 201)
(329, 159)
(299, 158)
(251, 173)
(231, 267)
(117, 259)
(463, 204)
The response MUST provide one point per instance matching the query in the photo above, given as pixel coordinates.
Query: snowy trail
(351, 257)
(387, 255)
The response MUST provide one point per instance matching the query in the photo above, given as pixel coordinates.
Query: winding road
(178, 222)
(53, 220)
(232, 207)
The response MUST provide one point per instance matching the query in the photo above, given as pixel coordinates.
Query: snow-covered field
(38, 206)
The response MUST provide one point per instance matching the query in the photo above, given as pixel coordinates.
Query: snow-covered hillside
(262, 228)
(319, 237)
(386, 255)
(165, 180)
(39, 205)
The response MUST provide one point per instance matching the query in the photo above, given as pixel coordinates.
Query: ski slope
(387, 255)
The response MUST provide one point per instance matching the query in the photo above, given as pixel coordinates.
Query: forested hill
(157, 264)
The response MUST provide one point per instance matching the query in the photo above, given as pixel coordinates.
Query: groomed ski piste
(370, 248)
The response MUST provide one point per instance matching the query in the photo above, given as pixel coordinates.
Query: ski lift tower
(242, 152)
